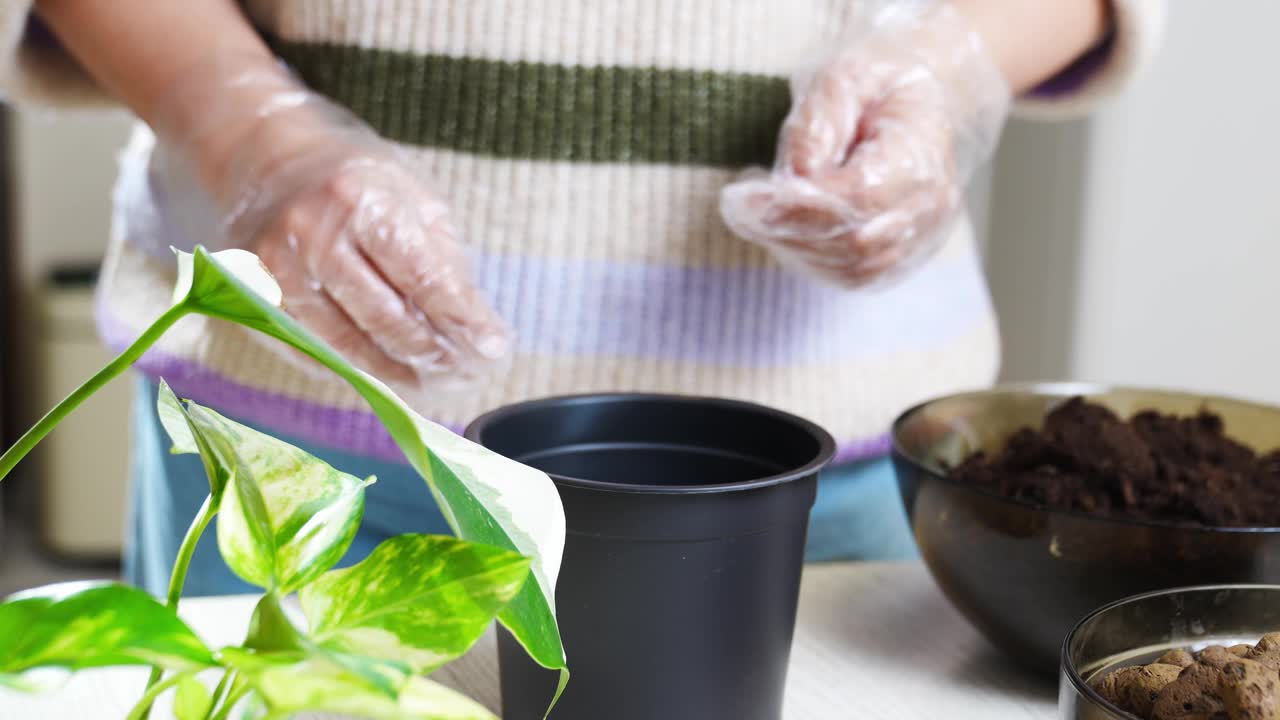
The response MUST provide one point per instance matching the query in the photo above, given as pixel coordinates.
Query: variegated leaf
(487, 498)
(418, 599)
(284, 517)
(74, 626)
(289, 683)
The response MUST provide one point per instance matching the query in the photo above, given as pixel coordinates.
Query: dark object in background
(9, 306)
(1151, 467)
(1024, 575)
(687, 521)
(75, 275)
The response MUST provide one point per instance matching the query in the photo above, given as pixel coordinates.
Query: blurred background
(1141, 246)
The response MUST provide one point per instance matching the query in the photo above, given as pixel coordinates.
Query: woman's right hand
(365, 254)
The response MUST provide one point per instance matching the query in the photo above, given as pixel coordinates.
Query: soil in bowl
(1152, 467)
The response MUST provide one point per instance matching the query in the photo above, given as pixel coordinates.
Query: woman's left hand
(875, 153)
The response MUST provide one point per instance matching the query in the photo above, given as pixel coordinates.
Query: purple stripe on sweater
(757, 317)
(355, 431)
(745, 317)
(865, 449)
(766, 317)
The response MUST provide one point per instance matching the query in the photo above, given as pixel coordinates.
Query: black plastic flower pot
(686, 522)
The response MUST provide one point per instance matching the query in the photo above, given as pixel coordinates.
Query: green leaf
(284, 516)
(218, 460)
(384, 676)
(270, 629)
(191, 701)
(428, 700)
(418, 599)
(38, 680)
(174, 421)
(74, 626)
(293, 682)
(196, 288)
(487, 498)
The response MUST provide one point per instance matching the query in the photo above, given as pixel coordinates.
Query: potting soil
(1152, 467)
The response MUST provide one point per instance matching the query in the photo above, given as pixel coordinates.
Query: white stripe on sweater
(756, 36)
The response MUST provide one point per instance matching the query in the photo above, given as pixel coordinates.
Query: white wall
(1161, 266)
(1184, 237)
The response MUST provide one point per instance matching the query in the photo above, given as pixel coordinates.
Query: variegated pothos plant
(372, 632)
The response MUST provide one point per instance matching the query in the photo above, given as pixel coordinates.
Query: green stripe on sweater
(552, 112)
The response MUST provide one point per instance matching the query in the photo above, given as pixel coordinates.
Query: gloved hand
(365, 254)
(877, 148)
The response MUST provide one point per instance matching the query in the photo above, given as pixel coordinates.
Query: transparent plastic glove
(364, 252)
(877, 148)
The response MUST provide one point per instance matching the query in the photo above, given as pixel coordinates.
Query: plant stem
(178, 577)
(237, 694)
(149, 697)
(218, 691)
(14, 455)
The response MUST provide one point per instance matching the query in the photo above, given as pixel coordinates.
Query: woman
(588, 154)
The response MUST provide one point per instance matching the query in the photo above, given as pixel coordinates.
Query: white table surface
(873, 641)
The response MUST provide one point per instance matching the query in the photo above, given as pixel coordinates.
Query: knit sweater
(582, 145)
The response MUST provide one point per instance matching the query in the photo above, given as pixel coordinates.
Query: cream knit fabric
(583, 145)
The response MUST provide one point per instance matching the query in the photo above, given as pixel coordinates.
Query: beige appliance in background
(64, 168)
(84, 463)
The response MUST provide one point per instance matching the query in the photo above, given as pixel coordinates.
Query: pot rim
(1067, 390)
(1072, 673)
(826, 444)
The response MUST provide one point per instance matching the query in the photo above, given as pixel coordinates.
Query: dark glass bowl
(1137, 630)
(1024, 575)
